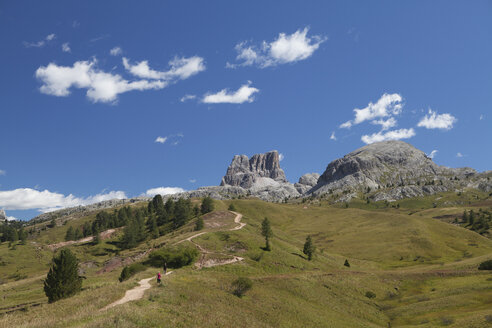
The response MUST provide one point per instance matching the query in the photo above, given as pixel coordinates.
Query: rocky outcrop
(244, 172)
(259, 176)
(306, 182)
(3, 216)
(393, 169)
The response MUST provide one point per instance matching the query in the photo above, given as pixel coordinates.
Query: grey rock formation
(306, 182)
(3, 216)
(244, 172)
(394, 169)
(260, 176)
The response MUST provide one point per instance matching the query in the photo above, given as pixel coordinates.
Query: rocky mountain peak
(396, 166)
(3, 216)
(244, 171)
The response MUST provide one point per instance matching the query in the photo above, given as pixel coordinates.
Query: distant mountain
(393, 170)
(388, 170)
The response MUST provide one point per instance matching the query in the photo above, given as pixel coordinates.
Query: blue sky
(89, 88)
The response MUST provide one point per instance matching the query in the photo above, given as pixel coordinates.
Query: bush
(370, 294)
(347, 264)
(487, 265)
(175, 257)
(241, 285)
(131, 270)
(232, 207)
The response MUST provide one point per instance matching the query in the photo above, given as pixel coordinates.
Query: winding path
(137, 292)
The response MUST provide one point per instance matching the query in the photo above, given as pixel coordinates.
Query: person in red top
(158, 277)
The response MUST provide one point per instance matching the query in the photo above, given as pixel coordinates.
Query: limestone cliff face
(244, 172)
(3, 216)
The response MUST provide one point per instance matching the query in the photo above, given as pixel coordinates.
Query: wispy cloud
(433, 153)
(437, 121)
(192, 180)
(161, 139)
(181, 68)
(101, 86)
(66, 47)
(3, 172)
(390, 135)
(459, 155)
(164, 191)
(243, 94)
(281, 157)
(99, 38)
(333, 137)
(40, 43)
(75, 24)
(116, 51)
(46, 201)
(285, 49)
(187, 97)
(481, 117)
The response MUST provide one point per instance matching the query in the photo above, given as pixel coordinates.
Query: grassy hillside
(422, 271)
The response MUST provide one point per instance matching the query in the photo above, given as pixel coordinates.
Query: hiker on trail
(165, 267)
(158, 277)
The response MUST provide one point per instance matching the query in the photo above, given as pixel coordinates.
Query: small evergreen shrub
(232, 207)
(131, 270)
(347, 264)
(487, 265)
(241, 285)
(175, 257)
(370, 294)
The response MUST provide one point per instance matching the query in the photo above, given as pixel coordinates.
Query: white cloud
(164, 191)
(385, 124)
(285, 49)
(46, 201)
(281, 157)
(40, 43)
(332, 137)
(433, 153)
(390, 135)
(187, 97)
(161, 139)
(243, 94)
(459, 155)
(346, 125)
(3, 172)
(101, 86)
(116, 51)
(66, 47)
(192, 180)
(481, 117)
(12, 218)
(387, 105)
(181, 68)
(437, 121)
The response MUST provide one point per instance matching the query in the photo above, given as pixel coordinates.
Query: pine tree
(182, 212)
(347, 264)
(78, 235)
(22, 236)
(199, 224)
(309, 248)
(158, 205)
(266, 231)
(154, 230)
(63, 278)
(70, 234)
(169, 206)
(207, 205)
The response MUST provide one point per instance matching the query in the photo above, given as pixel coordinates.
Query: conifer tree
(70, 234)
(266, 231)
(207, 205)
(63, 278)
(309, 248)
(199, 224)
